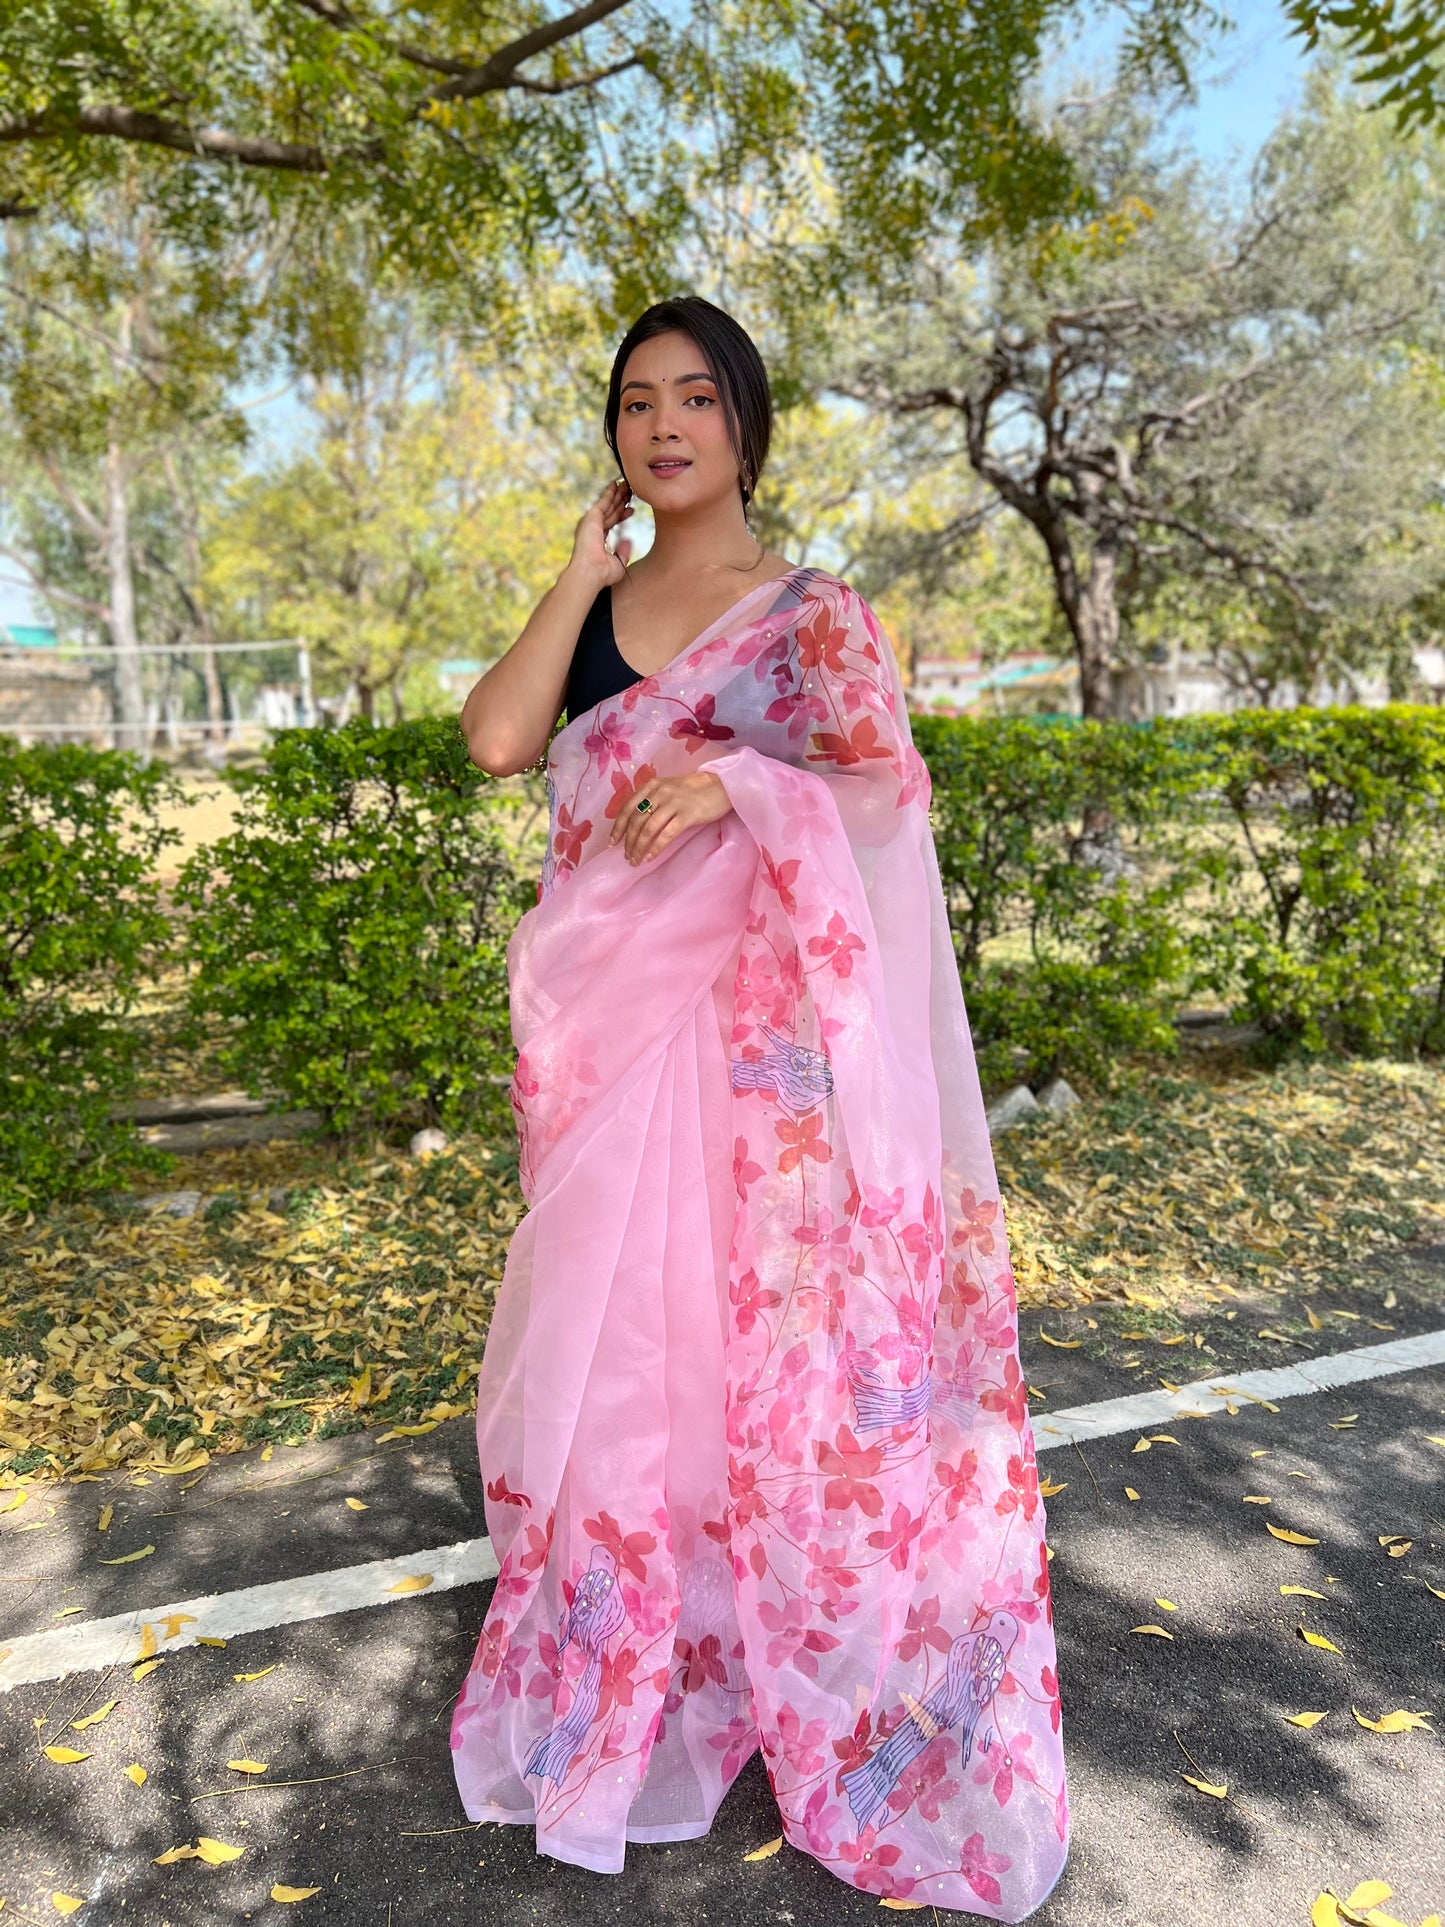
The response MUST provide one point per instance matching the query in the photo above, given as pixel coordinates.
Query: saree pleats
(758, 1462)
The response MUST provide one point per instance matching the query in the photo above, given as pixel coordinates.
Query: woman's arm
(510, 713)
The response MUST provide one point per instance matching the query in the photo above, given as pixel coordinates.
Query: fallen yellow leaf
(409, 1431)
(766, 1851)
(1369, 1893)
(1163, 1438)
(1435, 1438)
(1302, 1592)
(902, 1906)
(1130, 1493)
(1324, 1912)
(1257, 1498)
(203, 1639)
(1316, 1323)
(146, 1666)
(65, 1903)
(1261, 1452)
(267, 1454)
(16, 1500)
(414, 1582)
(1158, 1631)
(174, 1623)
(1435, 1589)
(286, 1894)
(216, 1853)
(1177, 1339)
(1060, 1344)
(137, 1773)
(64, 1755)
(1142, 1445)
(107, 1513)
(1305, 1719)
(95, 1718)
(1290, 1538)
(1219, 1792)
(247, 1766)
(358, 1505)
(1399, 1549)
(1400, 1722)
(245, 1679)
(1317, 1639)
(129, 1558)
(147, 1641)
(173, 1854)
(1389, 1538)
(1050, 1488)
(1168, 1605)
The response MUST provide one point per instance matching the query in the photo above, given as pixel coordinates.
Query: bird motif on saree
(973, 1674)
(596, 1613)
(799, 1076)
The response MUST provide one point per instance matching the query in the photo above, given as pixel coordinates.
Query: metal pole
(303, 670)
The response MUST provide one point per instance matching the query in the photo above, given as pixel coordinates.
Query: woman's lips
(668, 467)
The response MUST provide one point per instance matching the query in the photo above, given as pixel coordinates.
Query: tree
(1177, 385)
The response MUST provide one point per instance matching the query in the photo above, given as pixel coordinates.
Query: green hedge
(81, 929)
(350, 935)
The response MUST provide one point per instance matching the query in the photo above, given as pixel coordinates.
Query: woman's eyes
(711, 401)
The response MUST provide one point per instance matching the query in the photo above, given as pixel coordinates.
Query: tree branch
(499, 69)
(152, 130)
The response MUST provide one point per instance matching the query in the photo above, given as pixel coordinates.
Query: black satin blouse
(597, 670)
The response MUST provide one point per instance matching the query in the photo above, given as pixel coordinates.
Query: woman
(756, 1445)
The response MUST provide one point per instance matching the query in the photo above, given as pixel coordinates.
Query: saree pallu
(756, 1448)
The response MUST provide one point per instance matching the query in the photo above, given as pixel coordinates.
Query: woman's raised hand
(589, 544)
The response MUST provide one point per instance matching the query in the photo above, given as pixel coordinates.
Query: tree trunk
(129, 697)
(1096, 632)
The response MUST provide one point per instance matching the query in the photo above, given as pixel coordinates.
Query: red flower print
(736, 1745)
(924, 1783)
(797, 709)
(624, 788)
(959, 1485)
(539, 1544)
(607, 742)
(1042, 1589)
(745, 1171)
(828, 1575)
(1022, 1491)
(849, 1467)
(837, 946)
(874, 1864)
(1011, 1398)
(902, 1530)
(500, 1493)
(821, 642)
(629, 1552)
(882, 1206)
(858, 746)
(617, 1679)
(802, 1140)
(701, 1663)
(698, 727)
(782, 876)
(923, 1630)
(747, 1501)
(567, 843)
(801, 1743)
(750, 1301)
(1049, 1680)
(975, 1221)
(978, 1867)
(819, 1821)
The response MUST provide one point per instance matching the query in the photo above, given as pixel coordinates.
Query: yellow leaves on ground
(1317, 1639)
(248, 1766)
(1256, 1498)
(287, 1894)
(146, 1666)
(1158, 1631)
(1289, 1538)
(1141, 1445)
(15, 1501)
(1300, 1592)
(358, 1505)
(1130, 1494)
(64, 1755)
(107, 1513)
(173, 1622)
(1396, 1544)
(902, 1906)
(766, 1851)
(129, 1558)
(148, 1641)
(1281, 1338)
(1060, 1344)
(136, 1774)
(1166, 1605)
(1051, 1488)
(414, 1582)
(407, 1431)
(1361, 1909)
(95, 1718)
(1305, 1719)
(1220, 1792)
(245, 1679)
(215, 1853)
(66, 1903)
(1400, 1722)
(1344, 1424)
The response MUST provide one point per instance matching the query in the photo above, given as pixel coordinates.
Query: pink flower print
(1021, 1494)
(850, 1467)
(1043, 1591)
(1011, 1398)
(923, 1630)
(630, 1552)
(837, 946)
(782, 876)
(917, 779)
(979, 1868)
(608, 741)
(801, 1743)
(959, 1484)
(822, 1304)
(697, 728)
(700, 1663)
(882, 1206)
(802, 1139)
(648, 1611)
(821, 643)
(923, 1782)
(539, 1544)
(997, 1328)
(860, 745)
(897, 1538)
(500, 1493)
(925, 1239)
(785, 1625)
(1049, 1681)
(874, 1864)
(798, 709)
(750, 1302)
(828, 1576)
(735, 1745)
(747, 1502)
(807, 819)
(906, 1345)
(975, 1221)
(745, 1170)
(624, 788)
(570, 836)
(820, 1823)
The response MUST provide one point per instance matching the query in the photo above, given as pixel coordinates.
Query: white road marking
(99, 1643)
(1205, 1395)
(116, 1641)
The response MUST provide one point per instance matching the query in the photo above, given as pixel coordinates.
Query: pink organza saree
(758, 1462)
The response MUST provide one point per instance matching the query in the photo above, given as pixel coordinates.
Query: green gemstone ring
(645, 804)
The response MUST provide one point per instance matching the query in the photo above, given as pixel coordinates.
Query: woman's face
(669, 413)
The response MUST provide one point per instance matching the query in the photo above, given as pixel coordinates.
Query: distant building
(43, 694)
(1037, 685)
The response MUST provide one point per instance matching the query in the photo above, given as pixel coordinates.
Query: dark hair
(734, 364)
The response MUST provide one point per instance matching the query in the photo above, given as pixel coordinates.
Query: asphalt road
(367, 1694)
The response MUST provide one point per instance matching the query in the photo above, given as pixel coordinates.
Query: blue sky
(1245, 86)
